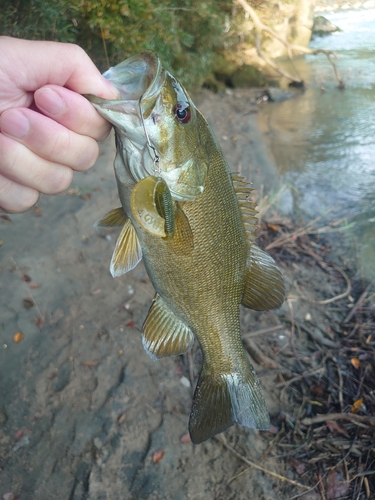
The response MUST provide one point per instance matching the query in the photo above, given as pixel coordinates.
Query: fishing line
(156, 157)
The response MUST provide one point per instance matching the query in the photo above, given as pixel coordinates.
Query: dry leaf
(356, 406)
(18, 337)
(97, 291)
(94, 362)
(273, 227)
(158, 456)
(26, 278)
(121, 418)
(335, 427)
(39, 322)
(33, 286)
(37, 211)
(28, 303)
(299, 467)
(356, 363)
(86, 196)
(336, 487)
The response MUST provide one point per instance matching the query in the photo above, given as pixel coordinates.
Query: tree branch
(260, 28)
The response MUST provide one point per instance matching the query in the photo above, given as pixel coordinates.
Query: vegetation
(189, 35)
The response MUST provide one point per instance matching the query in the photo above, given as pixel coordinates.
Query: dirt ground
(86, 414)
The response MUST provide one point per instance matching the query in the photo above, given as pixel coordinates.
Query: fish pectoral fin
(223, 400)
(114, 218)
(164, 334)
(182, 241)
(128, 251)
(264, 285)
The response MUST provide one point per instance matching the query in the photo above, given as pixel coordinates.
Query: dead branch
(351, 417)
(260, 28)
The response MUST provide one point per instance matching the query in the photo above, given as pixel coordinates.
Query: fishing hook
(156, 157)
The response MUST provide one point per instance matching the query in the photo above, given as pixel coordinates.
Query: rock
(324, 27)
(277, 95)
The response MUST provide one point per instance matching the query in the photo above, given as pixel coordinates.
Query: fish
(193, 223)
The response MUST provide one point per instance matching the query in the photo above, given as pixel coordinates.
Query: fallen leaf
(94, 362)
(130, 323)
(356, 406)
(86, 196)
(299, 467)
(273, 227)
(6, 218)
(185, 438)
(34, 286)
(336, 487)
(356, 363)
(121, 418)
(26, 278)
(37, 211)
(28, 303)
(97, 291)
(39, 322)
(317, 390)
(335, 427)
(158, 456)
(19, 434)
(18, 337)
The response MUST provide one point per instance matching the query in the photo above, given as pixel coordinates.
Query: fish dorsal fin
(264, 285)
(163, 333)
(247, 207)
(114, 218)
(128, 251)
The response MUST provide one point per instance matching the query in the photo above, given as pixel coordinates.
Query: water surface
(323, 139)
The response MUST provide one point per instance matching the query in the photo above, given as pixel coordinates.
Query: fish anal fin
(164, 334)
(223, 400)
(128, 251)
(114, 218)
(264, 285)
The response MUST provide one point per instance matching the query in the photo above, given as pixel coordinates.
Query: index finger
(72, 110)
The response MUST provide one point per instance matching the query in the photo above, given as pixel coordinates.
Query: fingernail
(49, 101)
(14, 123)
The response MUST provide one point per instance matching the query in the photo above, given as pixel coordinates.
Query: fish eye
(182, 112)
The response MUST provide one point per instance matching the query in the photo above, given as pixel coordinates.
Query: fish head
(156, 126)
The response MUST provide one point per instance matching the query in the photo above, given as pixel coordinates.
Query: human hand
(47, 129)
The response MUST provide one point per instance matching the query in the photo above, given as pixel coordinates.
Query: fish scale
(201, 256)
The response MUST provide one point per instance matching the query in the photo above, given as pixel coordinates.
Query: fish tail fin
(225, 399)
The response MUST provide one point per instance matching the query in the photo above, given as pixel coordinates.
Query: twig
(263, 331)
(298, 232)
(260, 27)
(351, 417)
(258, 467)
(258, 355)
(332, 299)
(358, 304)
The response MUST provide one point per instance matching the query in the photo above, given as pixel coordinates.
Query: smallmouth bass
(191, 221)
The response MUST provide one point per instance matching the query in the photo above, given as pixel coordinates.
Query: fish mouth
(139, 78)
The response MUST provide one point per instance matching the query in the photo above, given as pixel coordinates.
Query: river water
(323, 139)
